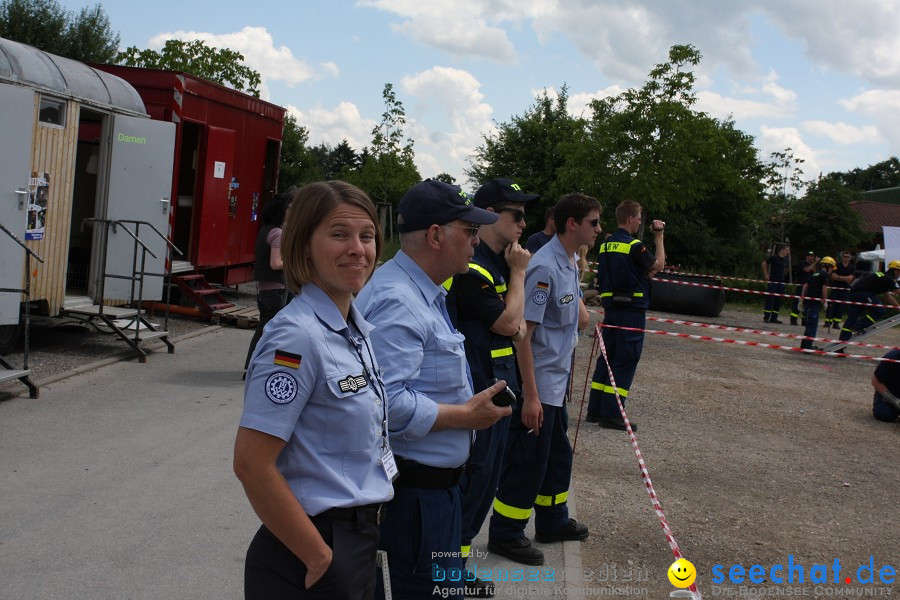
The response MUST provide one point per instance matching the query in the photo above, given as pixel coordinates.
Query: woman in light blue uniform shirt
(312, 450)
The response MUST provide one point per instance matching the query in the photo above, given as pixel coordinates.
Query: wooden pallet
(238, 316)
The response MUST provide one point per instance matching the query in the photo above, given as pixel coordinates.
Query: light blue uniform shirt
(551, 299)
(425, 361)
(320, 400)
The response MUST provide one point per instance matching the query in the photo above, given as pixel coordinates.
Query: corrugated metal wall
(54, 153)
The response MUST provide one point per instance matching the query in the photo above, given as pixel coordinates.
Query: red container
(227, 148)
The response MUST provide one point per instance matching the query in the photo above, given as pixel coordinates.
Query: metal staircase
(7, 371)
(207, 298)
(136, 330)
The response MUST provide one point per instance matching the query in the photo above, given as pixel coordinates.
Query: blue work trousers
(836, 309)
(623, 349)
(482, 477)
(859, 317)
(536, 474)
(421, 531)
(773, 303)
(811, 315)
(883, 410)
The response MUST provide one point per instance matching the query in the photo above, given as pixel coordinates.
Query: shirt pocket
(349, 407)
(450, 361)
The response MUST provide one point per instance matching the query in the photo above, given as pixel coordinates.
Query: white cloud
(842, 133)
(882, 107)
(777, 139)
(862, 38)
(446, 118)
(331, 126)
(776, 101)
(462, 27)
(258, 47)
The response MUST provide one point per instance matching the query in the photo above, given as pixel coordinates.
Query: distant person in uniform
(271, 293)
(488, 303)
(886, 381)
(312, 450)
(537, 468)
(865, 290)
(432, 407)
(775, 271)
(841, 278)
(813, 295)
(803, 273)
(537, 240)
(625, 268)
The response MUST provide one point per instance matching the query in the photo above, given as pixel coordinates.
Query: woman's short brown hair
(311, 204)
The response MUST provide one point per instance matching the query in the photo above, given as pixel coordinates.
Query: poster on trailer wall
(38, 197)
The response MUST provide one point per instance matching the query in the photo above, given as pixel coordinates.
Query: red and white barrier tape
(760, 332)
(722, 287)
(707, 338)
(792, 336)
(645, 474)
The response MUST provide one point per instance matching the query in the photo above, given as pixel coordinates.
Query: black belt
(417, 475)
(370, 513)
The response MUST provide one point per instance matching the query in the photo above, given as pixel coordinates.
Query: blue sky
(819, 76)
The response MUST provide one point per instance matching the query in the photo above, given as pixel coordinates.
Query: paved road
(117, 483)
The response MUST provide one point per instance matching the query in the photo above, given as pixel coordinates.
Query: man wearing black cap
(431, 408)
(489, 304)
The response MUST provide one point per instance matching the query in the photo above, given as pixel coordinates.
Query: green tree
(885, 174)
(224, 66)
(446, 178)
(387, 169)
(784, 180)
(299, 164)
(44, 24)
(823, 221)
(530, 150)
(701, 175)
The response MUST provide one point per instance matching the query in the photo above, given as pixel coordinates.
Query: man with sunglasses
(537, 466)
(625, 268)
(488, 305)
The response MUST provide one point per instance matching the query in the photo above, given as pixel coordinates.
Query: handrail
(21, 243)
(158, 232)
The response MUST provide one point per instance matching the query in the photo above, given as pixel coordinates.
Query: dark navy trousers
(773, 303)
(860, 316)
(623, 348)
(421, 531)
(535, 477)
(482, 477)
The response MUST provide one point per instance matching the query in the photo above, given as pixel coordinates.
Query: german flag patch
(543, 285)
(287, 359)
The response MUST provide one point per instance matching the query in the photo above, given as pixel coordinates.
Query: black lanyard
(373, 378)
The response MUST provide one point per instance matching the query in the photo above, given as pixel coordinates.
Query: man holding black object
(625, 269)
(431, 408)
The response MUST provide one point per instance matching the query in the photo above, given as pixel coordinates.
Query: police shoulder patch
(281, 387)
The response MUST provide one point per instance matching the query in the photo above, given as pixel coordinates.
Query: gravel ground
(755, 454)
(60, 345)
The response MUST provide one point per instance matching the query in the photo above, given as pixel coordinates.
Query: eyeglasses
(593, 222)
(517, 213)
(472, 229)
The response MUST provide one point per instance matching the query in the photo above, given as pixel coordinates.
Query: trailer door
(215, 207)
(140, 185)
(17, 127)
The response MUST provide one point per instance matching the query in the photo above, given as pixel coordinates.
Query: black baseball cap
(501, 190)
(433, 202)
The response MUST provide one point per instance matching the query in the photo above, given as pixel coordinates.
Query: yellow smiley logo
(682, 573)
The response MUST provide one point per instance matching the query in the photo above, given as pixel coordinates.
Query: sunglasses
(517, 213)
(471, 229)
(593, 222)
